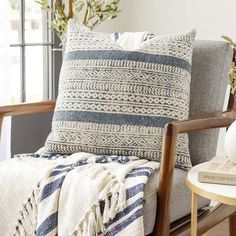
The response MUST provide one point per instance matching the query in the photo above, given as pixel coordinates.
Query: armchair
(211, 62)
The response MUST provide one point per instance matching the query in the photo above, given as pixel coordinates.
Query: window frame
(49, 58)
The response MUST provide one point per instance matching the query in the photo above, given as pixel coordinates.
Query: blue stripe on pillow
(111, 118)
(128, 55)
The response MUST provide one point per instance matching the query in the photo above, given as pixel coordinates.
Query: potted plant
(90, 12)
(232, 73)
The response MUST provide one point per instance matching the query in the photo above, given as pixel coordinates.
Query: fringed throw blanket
(82, 195)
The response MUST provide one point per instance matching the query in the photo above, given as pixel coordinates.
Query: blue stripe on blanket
(62, 166)
(141, 168)
(119, 159)
(48, 225)
(115, 230)
(141, 173)
(51, 188)
(58, 172)
(66, 168)
(130, 192)
(51, 222)
(49, 156)
(101, 159)
(126, 211)
(78, 163)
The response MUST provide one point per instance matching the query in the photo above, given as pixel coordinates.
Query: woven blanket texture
(80, 195)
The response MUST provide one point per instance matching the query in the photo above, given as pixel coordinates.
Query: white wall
(5, 149)
(211, 18)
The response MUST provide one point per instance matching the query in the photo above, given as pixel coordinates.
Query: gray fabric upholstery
(180, 203)
(210, 66)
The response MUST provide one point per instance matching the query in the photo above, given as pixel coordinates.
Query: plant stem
(58, 3)
(86, 14)
(70, 14)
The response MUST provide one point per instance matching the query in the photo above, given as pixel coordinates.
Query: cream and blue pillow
(115, 101)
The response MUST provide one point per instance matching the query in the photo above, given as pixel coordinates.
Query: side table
(221, 193)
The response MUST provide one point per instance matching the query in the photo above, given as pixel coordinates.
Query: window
(31, 56)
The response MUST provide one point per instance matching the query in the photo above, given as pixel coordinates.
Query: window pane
(34, 73)
(14, 75)
(33, 22)
(14, 21)
(9, 75)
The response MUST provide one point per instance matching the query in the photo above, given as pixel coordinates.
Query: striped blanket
(86, 195)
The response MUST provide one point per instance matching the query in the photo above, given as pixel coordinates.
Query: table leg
(232, 224)
(194, 215)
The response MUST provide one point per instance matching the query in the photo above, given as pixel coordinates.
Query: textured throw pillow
(115, 101)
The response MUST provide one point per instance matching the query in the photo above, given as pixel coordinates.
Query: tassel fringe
(113, 195)
(27, 220)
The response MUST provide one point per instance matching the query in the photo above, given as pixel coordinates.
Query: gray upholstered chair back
(211, 63)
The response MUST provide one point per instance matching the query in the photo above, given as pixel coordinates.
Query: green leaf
(79, 7)
(98, 11)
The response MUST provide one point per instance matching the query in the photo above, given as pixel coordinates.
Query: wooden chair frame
(164, 187)
(216, 120)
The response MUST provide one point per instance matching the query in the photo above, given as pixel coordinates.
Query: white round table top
(218, 192)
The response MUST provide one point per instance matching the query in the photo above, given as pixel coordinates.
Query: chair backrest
(211, 64)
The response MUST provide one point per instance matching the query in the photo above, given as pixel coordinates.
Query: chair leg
(232, 224)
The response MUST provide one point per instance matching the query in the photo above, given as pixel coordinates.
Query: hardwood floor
(221, 229)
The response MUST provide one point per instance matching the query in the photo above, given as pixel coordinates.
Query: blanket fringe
(91, 224)
(27, 221)
(113, 195)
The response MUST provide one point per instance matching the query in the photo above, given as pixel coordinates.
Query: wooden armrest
(209, 121)
(216, 120)
(25, 108)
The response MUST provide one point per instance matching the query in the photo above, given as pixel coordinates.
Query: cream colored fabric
(18, 178)
(131, 41)
(78, 200)
(97, 182)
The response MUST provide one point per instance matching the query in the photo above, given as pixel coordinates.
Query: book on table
(218, 171)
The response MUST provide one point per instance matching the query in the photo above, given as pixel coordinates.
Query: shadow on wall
(210, 18)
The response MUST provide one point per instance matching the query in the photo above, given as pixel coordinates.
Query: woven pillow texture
(116, 102)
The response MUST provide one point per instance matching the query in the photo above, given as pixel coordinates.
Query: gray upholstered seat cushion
(210, 67)
(181, 196)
